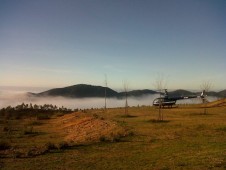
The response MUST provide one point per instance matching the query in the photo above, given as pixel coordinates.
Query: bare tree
(160, 85)
(105, 93)
(205, 87)
(126, 87)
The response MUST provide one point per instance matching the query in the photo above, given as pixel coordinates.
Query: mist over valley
(87, 97)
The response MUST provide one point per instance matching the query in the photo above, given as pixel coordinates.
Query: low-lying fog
(14, 97)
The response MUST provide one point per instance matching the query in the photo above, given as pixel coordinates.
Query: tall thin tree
(160, 85)
(126, 87)
(205, 87)
(105, 93)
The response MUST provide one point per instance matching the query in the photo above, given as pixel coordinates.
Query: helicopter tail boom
(169, 101)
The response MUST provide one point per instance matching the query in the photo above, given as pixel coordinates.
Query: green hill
(84, 90)
(80, 91)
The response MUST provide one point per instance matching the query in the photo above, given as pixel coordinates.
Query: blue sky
(57, 43)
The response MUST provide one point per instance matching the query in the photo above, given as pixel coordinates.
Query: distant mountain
(84, 90)
(80, 91)
(213, 93)
(138, 93)
(181, 92)
(188, 93)
(222, 93)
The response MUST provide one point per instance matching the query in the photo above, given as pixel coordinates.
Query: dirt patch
(84, 129)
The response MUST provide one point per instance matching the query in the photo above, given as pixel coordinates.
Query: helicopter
(170, 101)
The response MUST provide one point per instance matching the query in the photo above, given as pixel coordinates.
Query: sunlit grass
(186, 139)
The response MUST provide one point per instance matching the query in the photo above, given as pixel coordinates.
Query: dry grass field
(186, 139)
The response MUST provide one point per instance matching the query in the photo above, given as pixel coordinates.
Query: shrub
(35, 151)
(222, 128)
(35, 123)
(43, 117)
(59, 114)
(50, 146)
(29, 153)
(116, 139)
(28, 130)
(158, 121)
(131, 133)
(5, 129)
(102, 139)
(62, 145)
(95, 116)
(4, 145)
(17, 154)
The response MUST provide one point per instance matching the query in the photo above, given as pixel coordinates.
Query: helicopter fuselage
(169, 101)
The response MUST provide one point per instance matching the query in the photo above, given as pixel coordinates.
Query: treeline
(33, 110)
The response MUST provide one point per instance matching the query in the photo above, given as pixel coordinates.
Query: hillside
(222, 93)
(138, 93)
(84, 90)
(80, 91)
(180, 92)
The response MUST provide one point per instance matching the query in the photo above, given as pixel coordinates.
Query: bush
(62, 145)
(35, 151)
(158, 121)
(95, 116)
(59, 114)
(50, 146)
(28, 130)
(4, 145)
(35, 123)
(17, 154)
(116, 139)
(43, 117)
(102, 139)
(6, 129)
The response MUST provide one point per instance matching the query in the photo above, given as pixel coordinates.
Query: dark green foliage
(28, 110)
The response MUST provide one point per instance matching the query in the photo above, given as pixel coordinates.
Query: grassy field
(186, 139)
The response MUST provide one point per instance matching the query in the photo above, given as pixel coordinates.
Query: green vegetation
(186, 139)
(29, 110)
